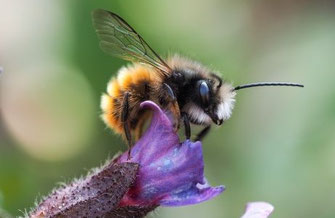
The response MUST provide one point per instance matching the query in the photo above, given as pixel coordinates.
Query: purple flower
(170, 173)
(258, 210)
(162, 171)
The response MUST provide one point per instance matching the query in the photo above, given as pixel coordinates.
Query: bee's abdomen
(139, 81)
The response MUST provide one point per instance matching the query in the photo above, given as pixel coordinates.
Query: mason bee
(191, 92)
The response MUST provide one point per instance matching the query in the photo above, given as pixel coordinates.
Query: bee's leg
(202, 133)
(124, 120)
(174, 105)
(187, 126)
(176, 112)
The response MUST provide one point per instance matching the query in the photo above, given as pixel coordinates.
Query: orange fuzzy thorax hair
(128, 78)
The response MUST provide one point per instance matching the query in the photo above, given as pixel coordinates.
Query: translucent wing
(118, 38)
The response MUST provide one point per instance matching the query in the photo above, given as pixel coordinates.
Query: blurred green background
(279, 145)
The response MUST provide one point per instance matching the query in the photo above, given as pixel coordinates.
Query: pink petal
(258, 210)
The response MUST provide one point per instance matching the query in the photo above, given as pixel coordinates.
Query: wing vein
(118, 38)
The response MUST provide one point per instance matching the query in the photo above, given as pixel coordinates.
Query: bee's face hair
(218, 105)
(219, 108)
(227, 101)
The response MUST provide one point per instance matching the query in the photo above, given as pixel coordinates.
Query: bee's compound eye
(204, 92)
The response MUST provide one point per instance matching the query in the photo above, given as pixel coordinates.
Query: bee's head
(204, 96)
(213, 102)
(216, 100)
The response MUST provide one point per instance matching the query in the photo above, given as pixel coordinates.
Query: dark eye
(204, 92)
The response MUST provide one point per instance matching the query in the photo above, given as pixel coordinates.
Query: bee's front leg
(176, 115)
(187, 125)
(203, 133)
(173, 106)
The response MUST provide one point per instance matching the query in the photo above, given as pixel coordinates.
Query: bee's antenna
(266, 84)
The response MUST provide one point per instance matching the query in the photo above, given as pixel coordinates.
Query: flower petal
(156, 141)
(258, 210)
(171, 173)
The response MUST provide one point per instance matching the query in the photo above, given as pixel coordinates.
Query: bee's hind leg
(124, 120)
(202, 133)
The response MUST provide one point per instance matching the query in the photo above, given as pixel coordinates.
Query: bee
(191, 92)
